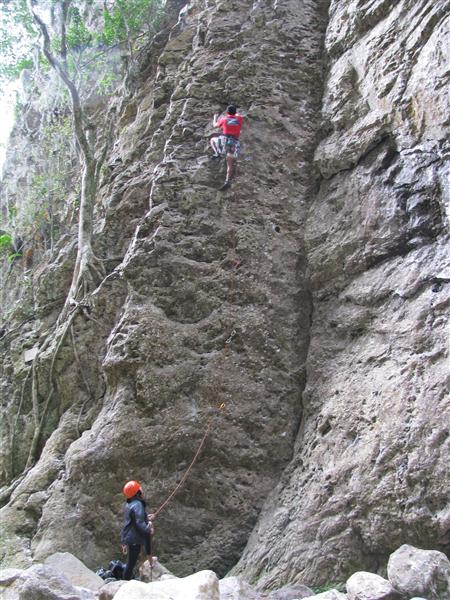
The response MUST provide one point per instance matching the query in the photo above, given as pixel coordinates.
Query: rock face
(368, 471)
(416, 572)
(311, 300)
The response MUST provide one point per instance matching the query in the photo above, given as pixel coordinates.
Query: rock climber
(137, 529)
(228, 143)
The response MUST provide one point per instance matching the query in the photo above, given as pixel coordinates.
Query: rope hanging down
(188, 470)
(236, 263)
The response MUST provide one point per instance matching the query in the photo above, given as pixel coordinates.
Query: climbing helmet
(131, 488)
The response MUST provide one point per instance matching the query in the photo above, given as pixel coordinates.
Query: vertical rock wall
(211, 299)
(370, 458)
(316, 314)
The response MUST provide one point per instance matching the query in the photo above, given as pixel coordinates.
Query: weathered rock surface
(8, 576)
(368, 586)
(209, 304)
(311, 299)
(291, 592)
(329, 595)
(156, 573)
(200, 586)
(234, 588)
(74, 570)
(42, 582)
(369, 466)
(109, 590)
(420, 572)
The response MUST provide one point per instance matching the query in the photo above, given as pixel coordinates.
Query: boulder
(44, 583)
(158, 573)
(7, 576)
(235, 588)
(415, 572)
(75, 571)
(203, 585)
(291, 592)
(329, 595)
(109, 590)
(368, 586)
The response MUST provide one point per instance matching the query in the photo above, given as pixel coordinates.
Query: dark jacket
(136, 529)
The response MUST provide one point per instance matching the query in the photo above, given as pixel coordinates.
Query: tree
(16, 39)
(64, 38)
(86, 271)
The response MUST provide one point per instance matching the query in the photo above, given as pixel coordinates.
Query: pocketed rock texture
(209, 305)
(369, 466)
(310, 299)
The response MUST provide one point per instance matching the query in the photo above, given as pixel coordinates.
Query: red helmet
(131, 488)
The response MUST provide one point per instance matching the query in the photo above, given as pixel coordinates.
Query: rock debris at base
(312, 299)
(410, 568)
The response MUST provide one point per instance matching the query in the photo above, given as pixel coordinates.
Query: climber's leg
(233, 150)
(216, 146)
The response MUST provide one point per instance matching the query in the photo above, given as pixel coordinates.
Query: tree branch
(62, 72)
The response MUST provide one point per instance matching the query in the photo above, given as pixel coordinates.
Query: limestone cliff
(310, 299)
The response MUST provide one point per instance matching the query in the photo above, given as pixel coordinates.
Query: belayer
(137, 528)
(228, 143)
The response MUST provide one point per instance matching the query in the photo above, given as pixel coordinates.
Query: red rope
(188, 470)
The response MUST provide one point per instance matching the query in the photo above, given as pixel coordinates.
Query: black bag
(117, 569)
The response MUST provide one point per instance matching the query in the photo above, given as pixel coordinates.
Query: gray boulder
(415, 572)
(43, 583)
(203, 585)
(109, 590)
(8, 576)
(329, 595)
(368, 586)
(75, 571)
(157, 573)
(235, 588)
(293, 591)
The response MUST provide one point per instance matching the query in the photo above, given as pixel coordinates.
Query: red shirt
(231, 125)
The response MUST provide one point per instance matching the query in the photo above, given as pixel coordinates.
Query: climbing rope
(236, 263)
(193, 461)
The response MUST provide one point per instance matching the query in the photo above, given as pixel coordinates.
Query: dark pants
(132, 557)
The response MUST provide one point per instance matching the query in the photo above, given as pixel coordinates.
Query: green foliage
(7, 247)
(127, 18)
(5, 241)
(124, 22)
(78, 35)
(107, 83)
(17, 36)
(43, 208)
(14, 255)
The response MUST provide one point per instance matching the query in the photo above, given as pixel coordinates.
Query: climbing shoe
(215, 156)
(225, 186)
